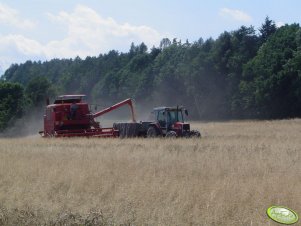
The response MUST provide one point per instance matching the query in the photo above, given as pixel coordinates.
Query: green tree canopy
(38, 89)
(12, 103)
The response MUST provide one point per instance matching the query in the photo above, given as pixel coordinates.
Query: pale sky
(47, 29)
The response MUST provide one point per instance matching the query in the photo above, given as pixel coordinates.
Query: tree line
(243, 74)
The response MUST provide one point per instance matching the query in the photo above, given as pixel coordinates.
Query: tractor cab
(167, 116)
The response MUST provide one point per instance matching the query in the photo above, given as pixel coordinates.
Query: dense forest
(243, 74)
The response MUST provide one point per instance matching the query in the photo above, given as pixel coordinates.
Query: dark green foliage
(241, 74)
(267, 29)
(38, 89)
(12, 103)
(271, 81)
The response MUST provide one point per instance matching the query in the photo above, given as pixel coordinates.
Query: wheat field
(228, 177)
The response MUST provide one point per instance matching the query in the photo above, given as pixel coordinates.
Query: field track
(229, 177)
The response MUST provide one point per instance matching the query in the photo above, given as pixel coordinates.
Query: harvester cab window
(73, 110)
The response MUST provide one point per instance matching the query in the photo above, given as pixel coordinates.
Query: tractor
(164, 122)
(169, 122)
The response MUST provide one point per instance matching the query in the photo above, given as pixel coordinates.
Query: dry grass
(229, 177)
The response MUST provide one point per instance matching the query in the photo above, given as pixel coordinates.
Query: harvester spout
(115, 106)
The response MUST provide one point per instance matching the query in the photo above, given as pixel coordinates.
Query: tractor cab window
(174, 116)
(161, 118)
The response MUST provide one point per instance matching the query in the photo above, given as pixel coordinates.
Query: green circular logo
(282, 215)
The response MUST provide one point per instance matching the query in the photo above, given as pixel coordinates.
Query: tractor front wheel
(171, 134)
(195, 133)
(151, 132)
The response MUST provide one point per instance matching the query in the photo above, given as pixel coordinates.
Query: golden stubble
(228, 177)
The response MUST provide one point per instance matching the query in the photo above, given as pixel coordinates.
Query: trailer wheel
(151, 132)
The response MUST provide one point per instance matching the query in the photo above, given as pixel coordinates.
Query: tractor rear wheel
(152, 132)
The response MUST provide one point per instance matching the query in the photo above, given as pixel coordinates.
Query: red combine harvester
(69, 116)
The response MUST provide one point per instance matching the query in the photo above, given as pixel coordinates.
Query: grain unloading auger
(69, 116)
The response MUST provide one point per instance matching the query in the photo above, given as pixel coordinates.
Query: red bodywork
(178, 127)
(59, 123)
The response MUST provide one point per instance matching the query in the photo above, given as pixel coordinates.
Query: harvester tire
(152, 132)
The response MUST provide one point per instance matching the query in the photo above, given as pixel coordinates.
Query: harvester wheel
(151, 132)
(171, 134)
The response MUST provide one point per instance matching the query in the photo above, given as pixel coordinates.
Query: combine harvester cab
(69, 116)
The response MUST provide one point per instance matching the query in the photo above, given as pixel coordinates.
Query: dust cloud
(27, 126)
